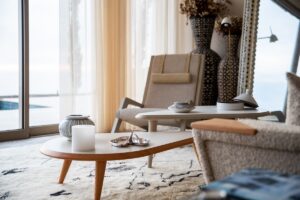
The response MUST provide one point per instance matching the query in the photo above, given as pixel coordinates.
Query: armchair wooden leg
(279, 114)
(116, 125)
(197, 155)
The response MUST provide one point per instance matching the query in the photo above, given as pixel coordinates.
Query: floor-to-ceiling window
(46, 64)
(277, 35)
(29, 62)
(10, 102)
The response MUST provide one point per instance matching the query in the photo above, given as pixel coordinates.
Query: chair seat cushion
(128, 115)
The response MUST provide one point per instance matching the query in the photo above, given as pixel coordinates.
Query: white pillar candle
(83, 138)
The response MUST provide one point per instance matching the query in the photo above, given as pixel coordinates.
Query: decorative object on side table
(247, 99)
(231, 28)
(202, 15)
(133, 139)
(65, 126)
(230, 106)
(181, 107)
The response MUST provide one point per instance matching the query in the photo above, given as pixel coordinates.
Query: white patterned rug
(28, 175)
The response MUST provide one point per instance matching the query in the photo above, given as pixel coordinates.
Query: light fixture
(226, 22)
(272, 37)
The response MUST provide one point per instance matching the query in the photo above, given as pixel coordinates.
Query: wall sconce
(272, 37)
(226, 22)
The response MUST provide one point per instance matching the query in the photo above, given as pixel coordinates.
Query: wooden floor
(29, 141)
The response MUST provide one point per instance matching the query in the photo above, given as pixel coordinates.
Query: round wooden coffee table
(61, 148)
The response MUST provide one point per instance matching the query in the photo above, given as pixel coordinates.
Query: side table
(199, 113)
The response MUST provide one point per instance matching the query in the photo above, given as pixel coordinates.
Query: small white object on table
(83, 137)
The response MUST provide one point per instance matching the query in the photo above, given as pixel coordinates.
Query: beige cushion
(224, 125)
(293, 100)
(128, 115)
(171, 78)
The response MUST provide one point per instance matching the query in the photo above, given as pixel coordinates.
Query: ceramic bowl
(65, 126)
(247, 99)
(181, 107)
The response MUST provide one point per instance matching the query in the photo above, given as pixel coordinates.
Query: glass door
(29, 60)
(11, 69)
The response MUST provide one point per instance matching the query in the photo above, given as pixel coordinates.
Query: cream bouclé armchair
(275, 146)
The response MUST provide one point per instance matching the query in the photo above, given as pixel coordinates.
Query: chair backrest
(175, 77)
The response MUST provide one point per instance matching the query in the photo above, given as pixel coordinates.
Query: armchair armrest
(270, 135)
(127, 101)
(124, 104)
(279, 114)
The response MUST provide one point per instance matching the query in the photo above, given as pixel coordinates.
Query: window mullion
(25, 64)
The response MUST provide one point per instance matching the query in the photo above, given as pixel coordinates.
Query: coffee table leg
(99, 176)
(64, 171)
(152, 127)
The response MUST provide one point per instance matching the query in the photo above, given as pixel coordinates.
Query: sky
(273, 60)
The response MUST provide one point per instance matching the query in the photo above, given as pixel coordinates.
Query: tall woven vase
(228, 71)
(202, 28)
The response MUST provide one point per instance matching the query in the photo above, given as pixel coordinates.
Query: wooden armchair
(176, 77)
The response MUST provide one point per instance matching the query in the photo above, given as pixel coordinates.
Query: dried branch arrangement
(200, 8)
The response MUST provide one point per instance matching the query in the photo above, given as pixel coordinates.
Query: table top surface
(203, 112)
(159, 141)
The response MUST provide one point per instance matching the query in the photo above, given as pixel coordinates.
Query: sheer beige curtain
(157, 27)
(105, 50)
(111, 52)
(93, 56)
(77, 63)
